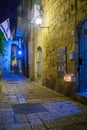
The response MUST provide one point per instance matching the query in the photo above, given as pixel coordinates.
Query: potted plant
(2, 41)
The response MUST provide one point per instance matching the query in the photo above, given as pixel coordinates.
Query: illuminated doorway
(14, 58)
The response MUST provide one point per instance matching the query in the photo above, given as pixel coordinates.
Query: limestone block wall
(31, 47)
(62, 17)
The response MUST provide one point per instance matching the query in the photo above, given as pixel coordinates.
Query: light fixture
(38, 15)
(38, 21)
(19, 52)
(69, 77)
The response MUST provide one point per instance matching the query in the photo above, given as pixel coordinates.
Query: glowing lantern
(69, 77)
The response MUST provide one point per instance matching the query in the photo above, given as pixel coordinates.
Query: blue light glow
(19, 52)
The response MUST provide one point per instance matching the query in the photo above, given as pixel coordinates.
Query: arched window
(39, 63)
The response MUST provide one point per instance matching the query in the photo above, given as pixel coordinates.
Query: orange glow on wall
(69, 77)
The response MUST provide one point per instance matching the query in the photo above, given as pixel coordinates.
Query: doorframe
(39, 49)
(77, 53)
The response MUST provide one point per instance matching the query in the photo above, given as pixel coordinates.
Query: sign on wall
(61, 61)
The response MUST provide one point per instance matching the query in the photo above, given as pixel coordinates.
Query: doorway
(14, 58)
(82, 59)
(39, 63)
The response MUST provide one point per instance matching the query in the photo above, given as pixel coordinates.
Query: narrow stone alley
(26, 105)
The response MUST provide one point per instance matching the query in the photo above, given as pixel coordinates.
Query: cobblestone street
(26, 105)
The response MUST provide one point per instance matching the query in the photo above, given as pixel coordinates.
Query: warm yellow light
(69, 78)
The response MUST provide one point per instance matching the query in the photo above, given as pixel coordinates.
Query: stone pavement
(26, 105)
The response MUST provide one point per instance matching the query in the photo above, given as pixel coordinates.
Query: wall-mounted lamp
(38, 22)
(38, 16)
(19, 52)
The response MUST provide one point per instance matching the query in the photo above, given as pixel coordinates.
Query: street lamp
(38, 21)
(38, 17)
(19, 52)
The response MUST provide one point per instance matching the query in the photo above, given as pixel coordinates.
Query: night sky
(8, 9)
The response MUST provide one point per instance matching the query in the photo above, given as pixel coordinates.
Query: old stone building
(52, 35)
(58, 50)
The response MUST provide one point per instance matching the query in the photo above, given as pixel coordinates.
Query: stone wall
(5, 60)
(31, 48)
(62, 17)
